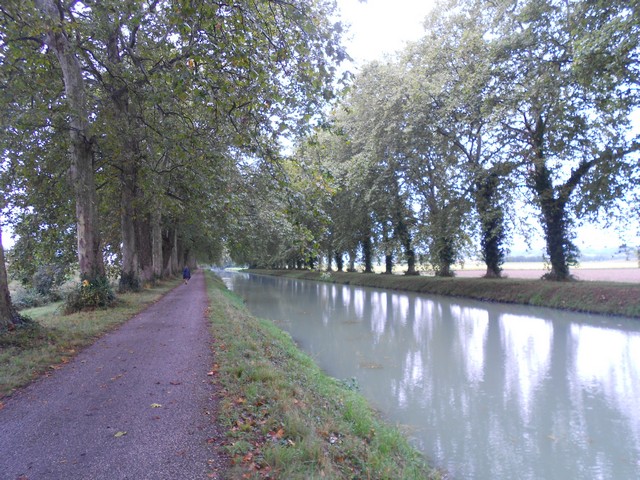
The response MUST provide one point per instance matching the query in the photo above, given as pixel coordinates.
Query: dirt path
(148, 379)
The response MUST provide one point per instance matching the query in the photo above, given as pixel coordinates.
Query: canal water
(486, 391)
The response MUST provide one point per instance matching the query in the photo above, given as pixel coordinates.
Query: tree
(450, 85)
(9, 317)
(81, 148)
(570, 120)
(377, 118)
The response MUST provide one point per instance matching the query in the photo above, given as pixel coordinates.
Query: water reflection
(487, 391)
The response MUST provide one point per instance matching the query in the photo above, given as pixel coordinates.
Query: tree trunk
(388, 264)
(561, 250)
(559, 247)
(491, 224)
(129, 275)
(130, 207)
(442, 247)
(175, 252)
(388, 257)
(352, 261)
(81, 152)
(144, 241)
(156, 242)
(9, 317)
(169, 252)
(339, 261)
(367, 253)
(405, 238)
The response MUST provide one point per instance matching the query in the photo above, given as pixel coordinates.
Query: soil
(138, 404)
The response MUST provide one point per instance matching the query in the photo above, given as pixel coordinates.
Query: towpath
(138, 404)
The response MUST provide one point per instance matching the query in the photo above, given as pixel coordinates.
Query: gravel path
(148, 379)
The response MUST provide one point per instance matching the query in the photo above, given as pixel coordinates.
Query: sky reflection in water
(485, 390)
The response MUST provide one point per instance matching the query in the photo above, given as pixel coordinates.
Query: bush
(28, 298)
(90, 295)
(47, 278)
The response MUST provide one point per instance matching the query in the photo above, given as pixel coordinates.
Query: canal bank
(606, 298)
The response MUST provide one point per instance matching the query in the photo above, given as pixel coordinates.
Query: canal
(484, 390)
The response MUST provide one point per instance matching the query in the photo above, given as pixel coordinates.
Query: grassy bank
(609, 298)
(54, 338)
(286, 419)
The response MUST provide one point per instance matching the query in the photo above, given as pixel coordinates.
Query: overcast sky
(380, 27)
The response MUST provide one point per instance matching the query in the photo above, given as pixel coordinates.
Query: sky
(380, 27)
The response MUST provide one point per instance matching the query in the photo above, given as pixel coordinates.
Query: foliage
(498, 105)
(168, 102)
(89, 295)
(23, 298)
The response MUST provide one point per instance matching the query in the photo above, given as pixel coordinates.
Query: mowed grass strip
(53, 338)
(285, 418)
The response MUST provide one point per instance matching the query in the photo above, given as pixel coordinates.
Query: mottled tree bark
(8, 315)
(156, 242)
(367, 253)
(81, 170)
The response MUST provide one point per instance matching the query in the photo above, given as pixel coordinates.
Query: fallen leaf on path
(277, 435)
(156, 405)
(1, 405)
(120, 434)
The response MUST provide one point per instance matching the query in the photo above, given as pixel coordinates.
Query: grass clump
(285, 418)
(51, 338)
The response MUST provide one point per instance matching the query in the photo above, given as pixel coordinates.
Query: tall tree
(450, 72)
(571, 120)
(81, 169)
(9, 317)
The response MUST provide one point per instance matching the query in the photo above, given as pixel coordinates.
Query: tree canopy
(146, 135)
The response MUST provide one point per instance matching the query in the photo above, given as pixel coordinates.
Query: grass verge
(284, 418)
(608, 298)
(53, 338)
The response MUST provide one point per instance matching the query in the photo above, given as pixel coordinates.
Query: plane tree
(449, 84)
(566, 76)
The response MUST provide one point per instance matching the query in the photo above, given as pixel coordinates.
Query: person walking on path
(186, 275)
(138, 404)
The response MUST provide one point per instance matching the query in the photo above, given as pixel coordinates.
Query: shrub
(28, 298)
(47, 278)
(90, 295)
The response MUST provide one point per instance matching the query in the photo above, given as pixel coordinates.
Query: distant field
(610, 271)
(605, 264)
